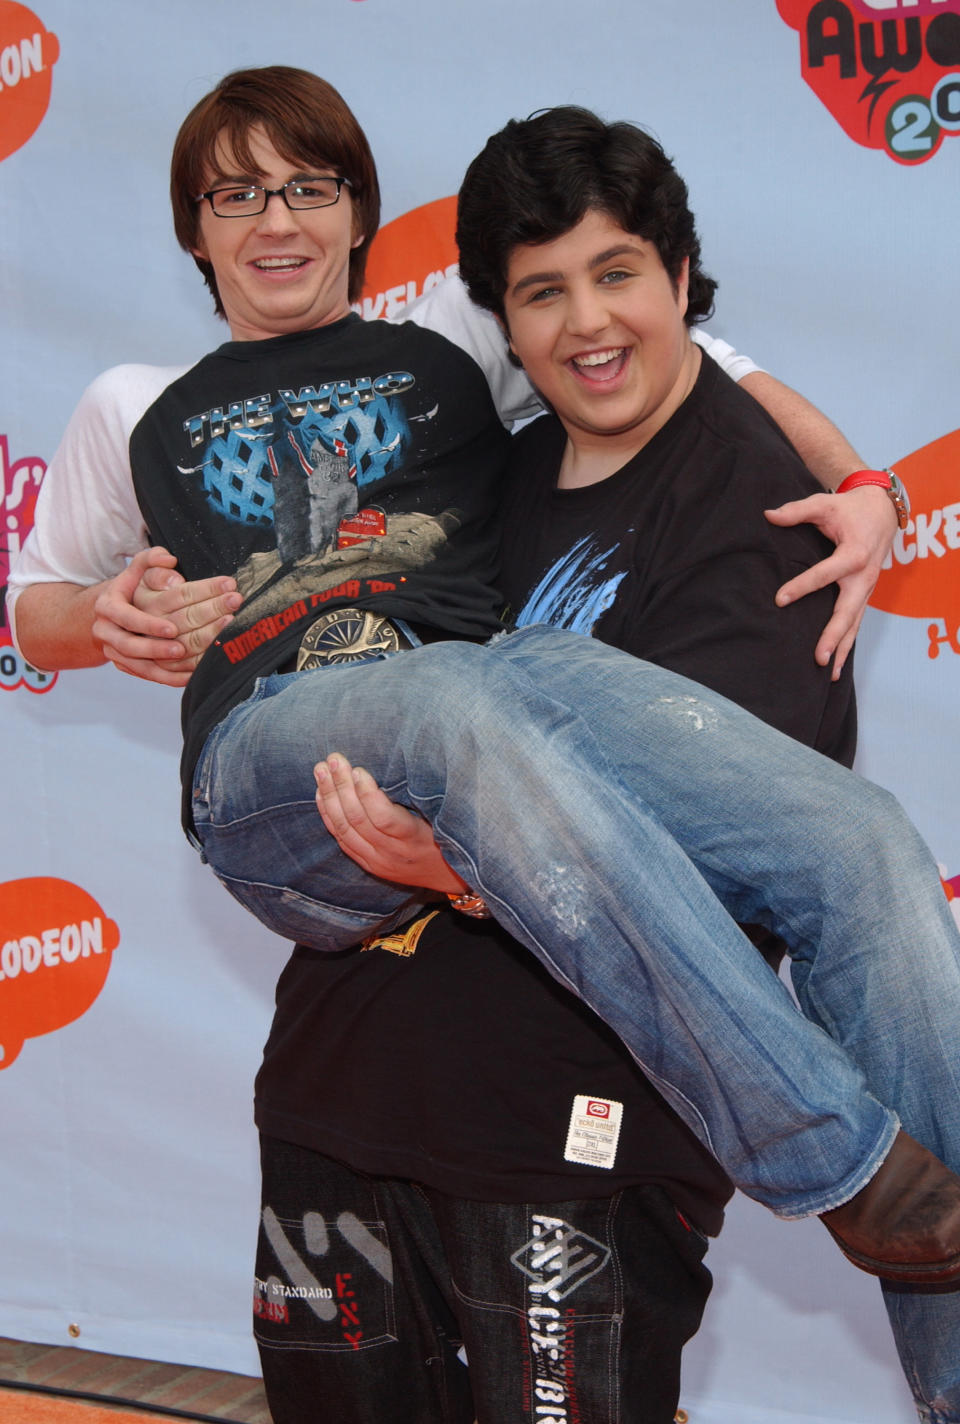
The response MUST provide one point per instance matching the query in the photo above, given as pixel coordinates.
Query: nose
(586, 313)
(276, 219)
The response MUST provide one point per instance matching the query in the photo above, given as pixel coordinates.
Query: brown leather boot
(904, 1224)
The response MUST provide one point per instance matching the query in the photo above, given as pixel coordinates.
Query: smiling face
(282, 271)
(598, 325)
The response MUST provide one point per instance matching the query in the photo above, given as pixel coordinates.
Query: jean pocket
(328, 1289)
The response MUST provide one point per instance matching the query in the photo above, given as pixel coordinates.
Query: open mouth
(279, 264)
(600, 365)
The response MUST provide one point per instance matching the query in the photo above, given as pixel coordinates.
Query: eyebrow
(536, 278)
(257, 178)
(238, 178)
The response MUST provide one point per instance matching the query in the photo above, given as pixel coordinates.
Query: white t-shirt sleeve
(448, 310)
(735, 365)
(88, 523)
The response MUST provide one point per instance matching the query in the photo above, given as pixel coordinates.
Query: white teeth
(598, 358)
(279, 262)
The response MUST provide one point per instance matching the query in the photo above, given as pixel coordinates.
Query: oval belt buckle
(346, 635)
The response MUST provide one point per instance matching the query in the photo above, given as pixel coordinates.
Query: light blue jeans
(619, 819)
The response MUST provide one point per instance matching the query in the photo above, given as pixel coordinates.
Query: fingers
(152, 623)
(149, 614)
(217, 607)
(132, 650)
(862, 529)
(196, 641)
(111, 629)
(354, 801)
(190, 605)
(159, 577)
(156, 556)
(848, 566)
(151, 671)
(861, 519)
(814, 509)
(334, 787)
(114, 605)
(197, 611)
(336, 797)
(837, 638)
(845, 647)
(385, 839)
(381, 815)
(820, 575)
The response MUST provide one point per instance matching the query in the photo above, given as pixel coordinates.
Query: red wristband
(885, 480)
(864, 477)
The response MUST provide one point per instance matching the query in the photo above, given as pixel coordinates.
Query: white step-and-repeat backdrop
(821, 142)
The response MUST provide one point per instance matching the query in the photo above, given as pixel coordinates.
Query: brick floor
(231, 1397)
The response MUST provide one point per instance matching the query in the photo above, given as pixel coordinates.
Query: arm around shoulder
(825, 450)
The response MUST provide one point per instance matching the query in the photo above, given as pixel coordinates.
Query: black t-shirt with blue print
(672, 560)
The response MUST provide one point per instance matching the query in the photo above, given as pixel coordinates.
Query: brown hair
(304, 118)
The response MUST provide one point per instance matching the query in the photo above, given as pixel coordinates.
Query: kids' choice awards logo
(18, 497)
(921, 578)
(409, 256)
(888, 70)
(56, 947)
(28, 52)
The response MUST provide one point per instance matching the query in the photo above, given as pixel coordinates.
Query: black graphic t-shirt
(672, 560)
(357, 464)
(459, 1064)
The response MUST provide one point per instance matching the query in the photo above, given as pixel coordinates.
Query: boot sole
(918, 1273)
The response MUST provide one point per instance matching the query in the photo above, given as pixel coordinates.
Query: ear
(505, 329)
(356, 234)
(683, 287)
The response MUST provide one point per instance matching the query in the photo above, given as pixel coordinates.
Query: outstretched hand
(384, 839)
(154, 624)
(861, 523)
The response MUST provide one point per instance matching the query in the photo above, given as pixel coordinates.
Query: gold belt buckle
(346, 635)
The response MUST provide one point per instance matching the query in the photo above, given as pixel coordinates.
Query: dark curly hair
(536, 179)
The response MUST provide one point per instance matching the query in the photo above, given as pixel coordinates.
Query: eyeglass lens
(299, 193)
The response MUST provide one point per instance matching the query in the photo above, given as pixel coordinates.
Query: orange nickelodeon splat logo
(56, 947)
(408, 257)
(921, 578)
(28, 53)
(888, 70)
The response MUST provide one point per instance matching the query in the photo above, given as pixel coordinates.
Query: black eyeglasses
(250, 199)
